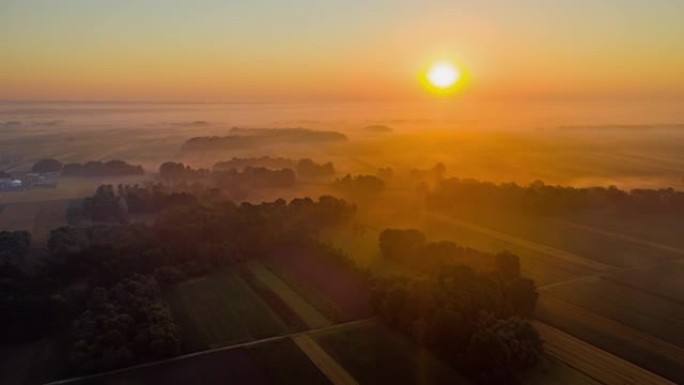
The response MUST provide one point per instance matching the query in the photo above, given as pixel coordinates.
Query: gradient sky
(277, 50)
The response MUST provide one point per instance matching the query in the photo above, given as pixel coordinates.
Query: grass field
(374, 355)
(665, 229)
(642, 349)
(663, 280)
(304, 310)
(338, 293)
(276, 362)
(220, 310)
(542, 267)
(598, 247)
(637, 309)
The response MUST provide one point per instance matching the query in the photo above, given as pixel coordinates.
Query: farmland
(274, 362)
(336, 292)
(634, 308)
(375, 355)
(219, 310)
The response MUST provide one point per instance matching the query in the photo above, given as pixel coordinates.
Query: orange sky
(270, 50)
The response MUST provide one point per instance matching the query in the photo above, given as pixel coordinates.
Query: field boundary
(594, 362)
(622, 237)
(642, 339)
(208, 351)
(323, 361)
(552, 251)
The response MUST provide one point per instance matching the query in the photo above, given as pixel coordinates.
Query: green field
(544, 269)
(304, 310)
(220, 310)
(639, 310)
(553, 372)
(664, 280)
(271, 363)
(374, 355)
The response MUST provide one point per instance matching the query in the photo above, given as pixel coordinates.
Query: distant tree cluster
(359, 186)
(192, 239)
(111, 168)
(409, 247)
(256, 137)
(307, 168)
(264, 161)
(47, 165)
(546, 200)
(125, 324)
(257, 177)
(110, 204)
(249, 177)
(13, 246)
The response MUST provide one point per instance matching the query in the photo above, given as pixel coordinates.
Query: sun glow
(443, 75)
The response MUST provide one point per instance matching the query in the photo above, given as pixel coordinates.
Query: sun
(443, 75)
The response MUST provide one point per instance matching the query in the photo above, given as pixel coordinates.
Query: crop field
(339, 294)
(543, 267)
(664, 229)
(664, 280)
(612, 336)
(275, 362)
(304, 310)
(642, 311)
(221, 310)
(606, 368)
(373, 354)
(588, 244)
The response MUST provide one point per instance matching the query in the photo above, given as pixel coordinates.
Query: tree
(47, 165)
(401, 245)
(507, 265)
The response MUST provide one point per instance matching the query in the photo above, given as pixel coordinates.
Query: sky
(276, 50)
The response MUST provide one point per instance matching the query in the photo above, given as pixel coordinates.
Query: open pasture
(612, 336)
(372, 354)
(598, 247)
(221, 310)
(664, 280)
(639, 310)
(340, 294)
(270, 363)
(544, 268)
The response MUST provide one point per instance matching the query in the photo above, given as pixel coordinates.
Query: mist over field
(346, 192)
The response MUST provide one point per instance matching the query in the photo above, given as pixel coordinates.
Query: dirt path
(594, 362)
(623, 237)
(552, 251)
(326, 364)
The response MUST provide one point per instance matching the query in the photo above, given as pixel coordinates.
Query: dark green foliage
(47, 165)
(401, 245)
(123, 325)
(190, 237)
(470, 319)
(360, 186)
(13, 246)
(105, 206)
(98, 169)
(458, 195)
(307, 168)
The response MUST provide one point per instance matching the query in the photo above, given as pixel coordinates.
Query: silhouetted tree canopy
(47, 165)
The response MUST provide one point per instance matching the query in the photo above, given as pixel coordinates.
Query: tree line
(475, 320)
(541, 199)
